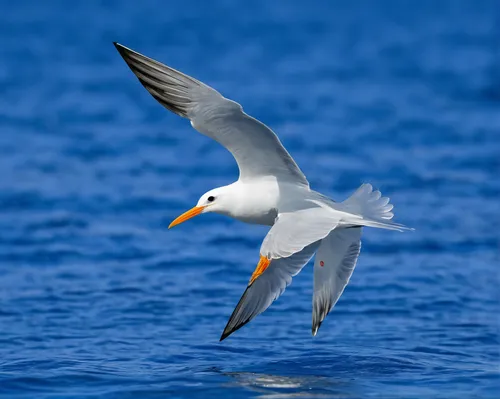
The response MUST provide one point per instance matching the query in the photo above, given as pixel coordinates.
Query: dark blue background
(99, 300)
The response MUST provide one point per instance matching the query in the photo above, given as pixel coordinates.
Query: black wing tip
(125, 51)
(315, 328)
(320, 317)
(121, 48)
(225, 334)
(229, 330)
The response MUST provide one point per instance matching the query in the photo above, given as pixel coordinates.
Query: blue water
(99, 300)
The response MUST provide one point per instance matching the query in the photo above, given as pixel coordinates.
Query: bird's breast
(264, 217)
(256, 202)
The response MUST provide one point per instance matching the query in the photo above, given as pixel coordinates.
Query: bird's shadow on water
(342, 376)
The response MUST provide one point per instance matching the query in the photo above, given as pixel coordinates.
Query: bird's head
(215, 200)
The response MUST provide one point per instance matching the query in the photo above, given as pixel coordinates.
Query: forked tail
(375, 210)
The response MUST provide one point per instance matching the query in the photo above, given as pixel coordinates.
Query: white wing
(333, 266)
(257, 150)
(294, 230)
(267, 287)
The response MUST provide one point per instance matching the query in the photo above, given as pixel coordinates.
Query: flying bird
(271, 190)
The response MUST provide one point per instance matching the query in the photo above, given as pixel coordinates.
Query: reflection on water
(277, 386)
(339, 375)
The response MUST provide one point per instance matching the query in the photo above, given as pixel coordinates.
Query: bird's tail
(375, 210)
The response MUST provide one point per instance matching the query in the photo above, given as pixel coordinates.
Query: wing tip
(224, 335)
(319, 316)
(315, 328)
(228, 330)
(125, 53)
(120, 47)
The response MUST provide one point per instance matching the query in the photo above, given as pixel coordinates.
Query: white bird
(271, 190)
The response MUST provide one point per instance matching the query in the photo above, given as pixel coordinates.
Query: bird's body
(271, 190)
(260, 201)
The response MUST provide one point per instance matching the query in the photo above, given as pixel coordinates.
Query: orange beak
(187, 215)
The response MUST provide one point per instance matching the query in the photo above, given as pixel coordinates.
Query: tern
(271, 190)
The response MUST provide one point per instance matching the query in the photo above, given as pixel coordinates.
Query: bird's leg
(261, 268)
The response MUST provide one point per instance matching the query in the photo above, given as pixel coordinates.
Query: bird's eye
(211, 198)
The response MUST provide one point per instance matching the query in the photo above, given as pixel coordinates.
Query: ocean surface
(99, 300)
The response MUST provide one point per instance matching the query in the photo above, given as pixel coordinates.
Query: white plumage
(271, 190)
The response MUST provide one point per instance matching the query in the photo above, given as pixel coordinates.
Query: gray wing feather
(267, 288)
(333, 267)
(255, 147)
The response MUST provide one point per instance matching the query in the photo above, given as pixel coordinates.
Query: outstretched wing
(333, 266)
(257, 150)
(266, 284)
